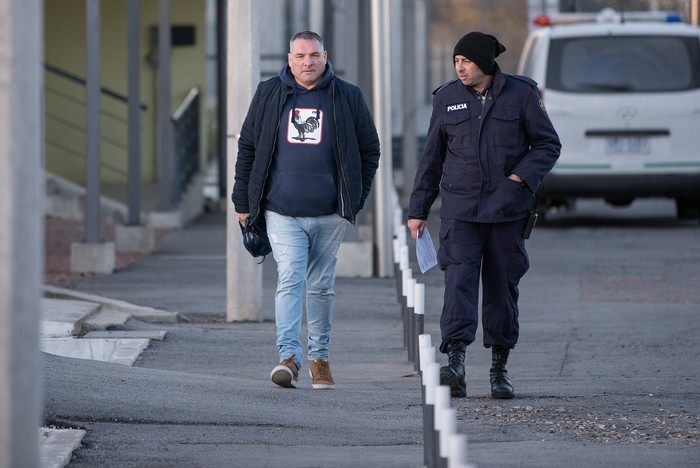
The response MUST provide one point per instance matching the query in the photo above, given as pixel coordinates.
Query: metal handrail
(185, 104)
(185, 122)
(66, 97)
(76, 79)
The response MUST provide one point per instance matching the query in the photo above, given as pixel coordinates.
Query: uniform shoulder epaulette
(526, 79)
(440, 88)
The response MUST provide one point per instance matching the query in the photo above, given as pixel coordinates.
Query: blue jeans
(305, 249)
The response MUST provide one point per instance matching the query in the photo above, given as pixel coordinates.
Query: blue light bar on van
(658, 16)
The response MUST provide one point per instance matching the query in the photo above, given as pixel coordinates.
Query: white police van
(623, 92)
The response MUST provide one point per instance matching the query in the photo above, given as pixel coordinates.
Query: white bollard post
(403, 264)
(398, 218)
(442, 402)
(406, 274)
(442, 398)
(397, 267)
(403, 237)
(410, 323)
(431, 379)
(419, 297)
(410, 290)
(419, 320)
(403, 261)
(457, 456)
(424, 345)
(447, 428)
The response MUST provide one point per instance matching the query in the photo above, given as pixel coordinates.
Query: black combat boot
(500, 383)
(453, 373)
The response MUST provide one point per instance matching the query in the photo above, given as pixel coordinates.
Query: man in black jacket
(490, 143)
(307, 156)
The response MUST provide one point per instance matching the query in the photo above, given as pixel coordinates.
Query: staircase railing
(65, 134)
(65, 124)
(186, 142)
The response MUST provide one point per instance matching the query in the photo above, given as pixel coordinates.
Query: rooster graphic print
(305, 126)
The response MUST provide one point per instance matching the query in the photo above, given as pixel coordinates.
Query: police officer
(489, 144)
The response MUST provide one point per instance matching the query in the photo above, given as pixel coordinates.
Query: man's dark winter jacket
(355, 146)
(472, 148)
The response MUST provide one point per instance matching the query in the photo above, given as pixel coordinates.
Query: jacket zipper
(269, 160)
(343, 180)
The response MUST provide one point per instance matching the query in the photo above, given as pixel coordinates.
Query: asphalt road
(606, 370)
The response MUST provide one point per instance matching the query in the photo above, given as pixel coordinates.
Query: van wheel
(688, 208)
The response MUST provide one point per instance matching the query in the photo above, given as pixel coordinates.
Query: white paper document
(425, 251)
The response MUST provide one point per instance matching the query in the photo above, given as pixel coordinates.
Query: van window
(624, 64)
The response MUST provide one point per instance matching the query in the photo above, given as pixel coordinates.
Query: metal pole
(221, 37)
(21, 215)
(92, 122)
(381, 82)
(164, 122)
(409, 146)
(134, 87)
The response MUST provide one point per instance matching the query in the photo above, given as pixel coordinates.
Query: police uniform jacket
(472, 148)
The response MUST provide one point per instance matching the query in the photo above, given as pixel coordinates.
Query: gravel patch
(638, 421)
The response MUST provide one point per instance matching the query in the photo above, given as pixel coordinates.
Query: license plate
(627, 145)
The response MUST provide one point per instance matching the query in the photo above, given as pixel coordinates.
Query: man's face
(469, 73)
(307, 60)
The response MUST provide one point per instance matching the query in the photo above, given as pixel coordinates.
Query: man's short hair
(308, 35)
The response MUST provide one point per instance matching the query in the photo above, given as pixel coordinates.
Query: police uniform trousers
(496, 251)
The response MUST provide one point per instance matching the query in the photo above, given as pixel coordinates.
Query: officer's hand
(416, 226)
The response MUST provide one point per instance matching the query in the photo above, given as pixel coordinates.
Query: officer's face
(469, 73)
(307, 59)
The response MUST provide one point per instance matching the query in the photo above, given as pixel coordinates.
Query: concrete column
(92, 255)
(243, 274)
(21, 218)
(135, 236)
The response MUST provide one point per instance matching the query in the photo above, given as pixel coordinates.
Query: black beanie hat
(480, 48)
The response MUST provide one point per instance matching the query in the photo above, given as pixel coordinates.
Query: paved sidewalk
(202, 397)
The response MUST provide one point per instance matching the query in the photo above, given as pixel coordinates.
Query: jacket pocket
(461, 175)
(457, 129)
(516, 200)
(506, 127)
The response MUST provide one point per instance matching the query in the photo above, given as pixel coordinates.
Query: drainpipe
(92, 122)
(165, 152)
(134, 92)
